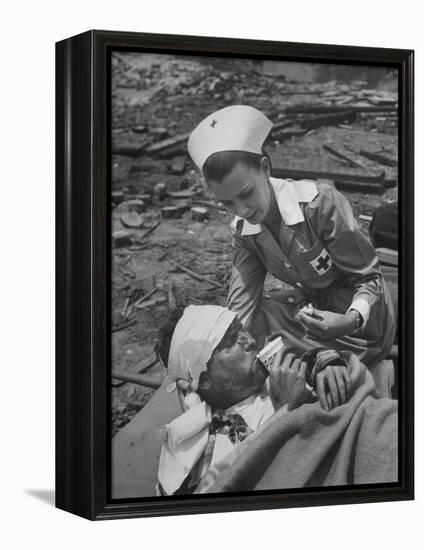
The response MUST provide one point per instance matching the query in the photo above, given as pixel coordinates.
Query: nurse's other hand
(333, 386)
(326, 325)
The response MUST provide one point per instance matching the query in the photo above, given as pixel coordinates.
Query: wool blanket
(356, 443)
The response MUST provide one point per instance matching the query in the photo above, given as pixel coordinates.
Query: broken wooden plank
(212, 205)
(194, 275)
(300, 92)
(147, 233)
(329, 120)
(121, 326)
(184, 194)
(321, 109)
(140, 379)
(174, 143)
(151, 303)
(378, 157)
(172, 212)
(278, 126)
(360, 186)
(145, 297)
(129, 147)
(124, 309)
(289, 133)
(300, 174)
(147, 363)
(327, 147)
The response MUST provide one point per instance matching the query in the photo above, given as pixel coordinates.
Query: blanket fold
(356, 443)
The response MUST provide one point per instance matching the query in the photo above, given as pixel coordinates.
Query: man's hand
(326, 325)
(333, 386)
(287, 384)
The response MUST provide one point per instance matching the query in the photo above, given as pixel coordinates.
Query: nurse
(301, 232)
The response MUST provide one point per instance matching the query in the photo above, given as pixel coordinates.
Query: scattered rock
(184, 194)
(178, 165)
(172, 212)
(140, 129)
(135, 205)
(131, 219)
(128, 145)
(121, 238)
(199, 213)
(159, 191)
(117, 197)
(145, 197)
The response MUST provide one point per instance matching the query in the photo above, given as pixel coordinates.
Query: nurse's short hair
(219, 165)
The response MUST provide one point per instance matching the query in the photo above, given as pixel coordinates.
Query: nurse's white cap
(235, 128)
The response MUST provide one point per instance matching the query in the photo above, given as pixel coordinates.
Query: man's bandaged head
(197, 334)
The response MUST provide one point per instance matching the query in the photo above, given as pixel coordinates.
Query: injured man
(313, 420)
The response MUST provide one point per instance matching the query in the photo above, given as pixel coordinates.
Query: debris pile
(171, 241)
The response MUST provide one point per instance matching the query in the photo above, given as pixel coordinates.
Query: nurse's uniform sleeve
(352, 253)
(247, 281)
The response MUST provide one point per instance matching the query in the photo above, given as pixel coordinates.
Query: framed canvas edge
(82, 256)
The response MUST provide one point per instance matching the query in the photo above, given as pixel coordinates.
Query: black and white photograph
(254, 312)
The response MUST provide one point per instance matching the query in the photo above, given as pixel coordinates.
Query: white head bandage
(197, 334)
(235, 128)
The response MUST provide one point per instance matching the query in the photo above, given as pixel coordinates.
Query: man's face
(233, 368)
(245, 192)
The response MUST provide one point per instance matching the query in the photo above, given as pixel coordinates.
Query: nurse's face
(245, 192)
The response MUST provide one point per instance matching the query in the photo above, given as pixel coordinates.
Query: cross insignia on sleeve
(214, 123)
(322, 262)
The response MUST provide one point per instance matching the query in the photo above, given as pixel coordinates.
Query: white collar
(289, 194)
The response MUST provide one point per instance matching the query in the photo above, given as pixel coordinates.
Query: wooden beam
(140, 379)
(378, 157)
(299, 174)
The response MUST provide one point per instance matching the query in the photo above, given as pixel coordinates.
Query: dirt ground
(157, 98)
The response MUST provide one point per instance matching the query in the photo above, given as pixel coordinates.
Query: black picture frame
(83, 273)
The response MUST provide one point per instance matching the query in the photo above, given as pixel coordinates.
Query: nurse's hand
(333, 386)
(326, 325)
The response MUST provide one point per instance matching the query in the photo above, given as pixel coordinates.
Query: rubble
(178, 165)
(378, 157)
(132, 220)
(169, 257)
(159, 191)
(135, 205)
(343, 156)
(174, 212)
(121, 238)
(117, 197)
(199, 213)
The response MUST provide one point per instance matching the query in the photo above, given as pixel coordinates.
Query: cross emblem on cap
(214, 123)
